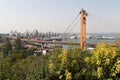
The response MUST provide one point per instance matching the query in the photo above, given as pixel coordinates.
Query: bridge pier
(83, 29)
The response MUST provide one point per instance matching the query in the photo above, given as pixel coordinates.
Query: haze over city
(56, 15)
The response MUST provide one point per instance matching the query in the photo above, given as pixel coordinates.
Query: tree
(18, 72)
(103, 64)
(67, 64)
(18, 44)
(5, 71)
(0, 39)
(7, 47)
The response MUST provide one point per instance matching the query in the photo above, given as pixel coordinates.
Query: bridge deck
(56, 42)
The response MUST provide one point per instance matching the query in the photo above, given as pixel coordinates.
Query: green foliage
(102, 63)
(17, 72)
(18, 44)
(68, 64)
(17, 64)
(30, 51)
(41, 72)
(1, 47)
(16, 67)
(0, 39)
(7, 47)
(16, 56)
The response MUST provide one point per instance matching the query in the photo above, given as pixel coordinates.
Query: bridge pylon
(83, 15)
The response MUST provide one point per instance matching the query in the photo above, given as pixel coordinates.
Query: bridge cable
(71, 23)
(73, 26)
(106, 25)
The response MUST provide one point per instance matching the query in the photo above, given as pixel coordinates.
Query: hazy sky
(56, 15)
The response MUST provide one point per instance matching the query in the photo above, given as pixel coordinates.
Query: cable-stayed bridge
(79, 21)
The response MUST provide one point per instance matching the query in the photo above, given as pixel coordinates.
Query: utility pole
(83, 15)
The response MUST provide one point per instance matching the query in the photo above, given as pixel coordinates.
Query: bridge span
(39, 42)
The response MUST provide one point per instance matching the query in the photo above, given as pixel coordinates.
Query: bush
(102, 63)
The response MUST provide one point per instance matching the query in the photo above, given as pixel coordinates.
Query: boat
(107, 38)
(73, 37)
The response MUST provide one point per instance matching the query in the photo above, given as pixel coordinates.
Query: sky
(56, 15)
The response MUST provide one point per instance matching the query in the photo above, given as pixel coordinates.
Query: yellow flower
(107, 61)
(51, 67)
(60, 77)
(99, 72)
(87, 59)
(116, 68)
(68, 75)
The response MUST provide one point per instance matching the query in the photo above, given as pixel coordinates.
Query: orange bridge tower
(83, 15)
